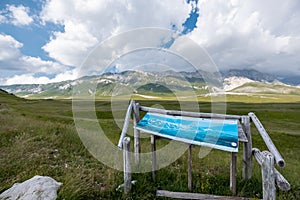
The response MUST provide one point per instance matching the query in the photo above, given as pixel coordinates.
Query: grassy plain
(38, 137)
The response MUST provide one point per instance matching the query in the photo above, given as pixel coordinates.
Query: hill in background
(167, 83)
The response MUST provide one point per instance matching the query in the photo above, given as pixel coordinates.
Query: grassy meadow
(38, 137)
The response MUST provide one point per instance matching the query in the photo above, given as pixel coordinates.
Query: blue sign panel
(214, 133)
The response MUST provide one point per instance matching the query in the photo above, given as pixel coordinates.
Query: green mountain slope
(114, 85)
(168, 83)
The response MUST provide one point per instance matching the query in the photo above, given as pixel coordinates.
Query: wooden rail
(189, 114)
(281, 182)
(126, 124)
(268, 141)
(186, 195)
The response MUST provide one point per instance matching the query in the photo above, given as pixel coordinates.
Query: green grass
(38, 137)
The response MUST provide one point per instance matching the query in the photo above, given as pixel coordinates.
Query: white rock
(36, 188)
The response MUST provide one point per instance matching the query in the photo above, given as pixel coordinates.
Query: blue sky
(46, 41)
(34, 36)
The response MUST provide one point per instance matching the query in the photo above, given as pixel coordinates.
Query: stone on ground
(36, 188)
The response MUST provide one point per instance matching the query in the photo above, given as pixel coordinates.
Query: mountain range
(163, 83)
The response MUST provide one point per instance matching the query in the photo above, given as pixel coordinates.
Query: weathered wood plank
(127, 165)
(137, 140)
(233, 173)
(126, 124)
(281, 182)
(153, 150)
(186, 195)
(272, 148)
(190, 162)
(247, 148)
(189, 114)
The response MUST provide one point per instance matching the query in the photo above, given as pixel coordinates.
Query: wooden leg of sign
(233, 173)
(190, 186)
(153, 149)
(127, 165)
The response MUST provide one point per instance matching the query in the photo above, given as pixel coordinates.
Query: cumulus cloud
(36, 64)
(13, 61)
(31, 78)
(19, 15)
(25, 79)
(9, 48)
(89, 22)
(68, 47)
(237, 34)
(264, 35)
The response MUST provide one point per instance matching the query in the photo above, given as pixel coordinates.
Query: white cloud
(19, 15)
(69, 47)
(264, 35)
(12, 60)
(28, 69)
(9, 48)
(89, 22)
(31, 78)
(67, 75)
(25, 79)
(237, 34)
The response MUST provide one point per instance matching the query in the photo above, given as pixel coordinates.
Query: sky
(44, 41)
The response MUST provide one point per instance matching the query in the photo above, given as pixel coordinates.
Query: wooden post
(268, 175)
(190, 184)
(153, 149)
(269, 143)
(233, 173)
(126, 124)
(247, 150)
(137, 140)
(281, 182)
(127, 165)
